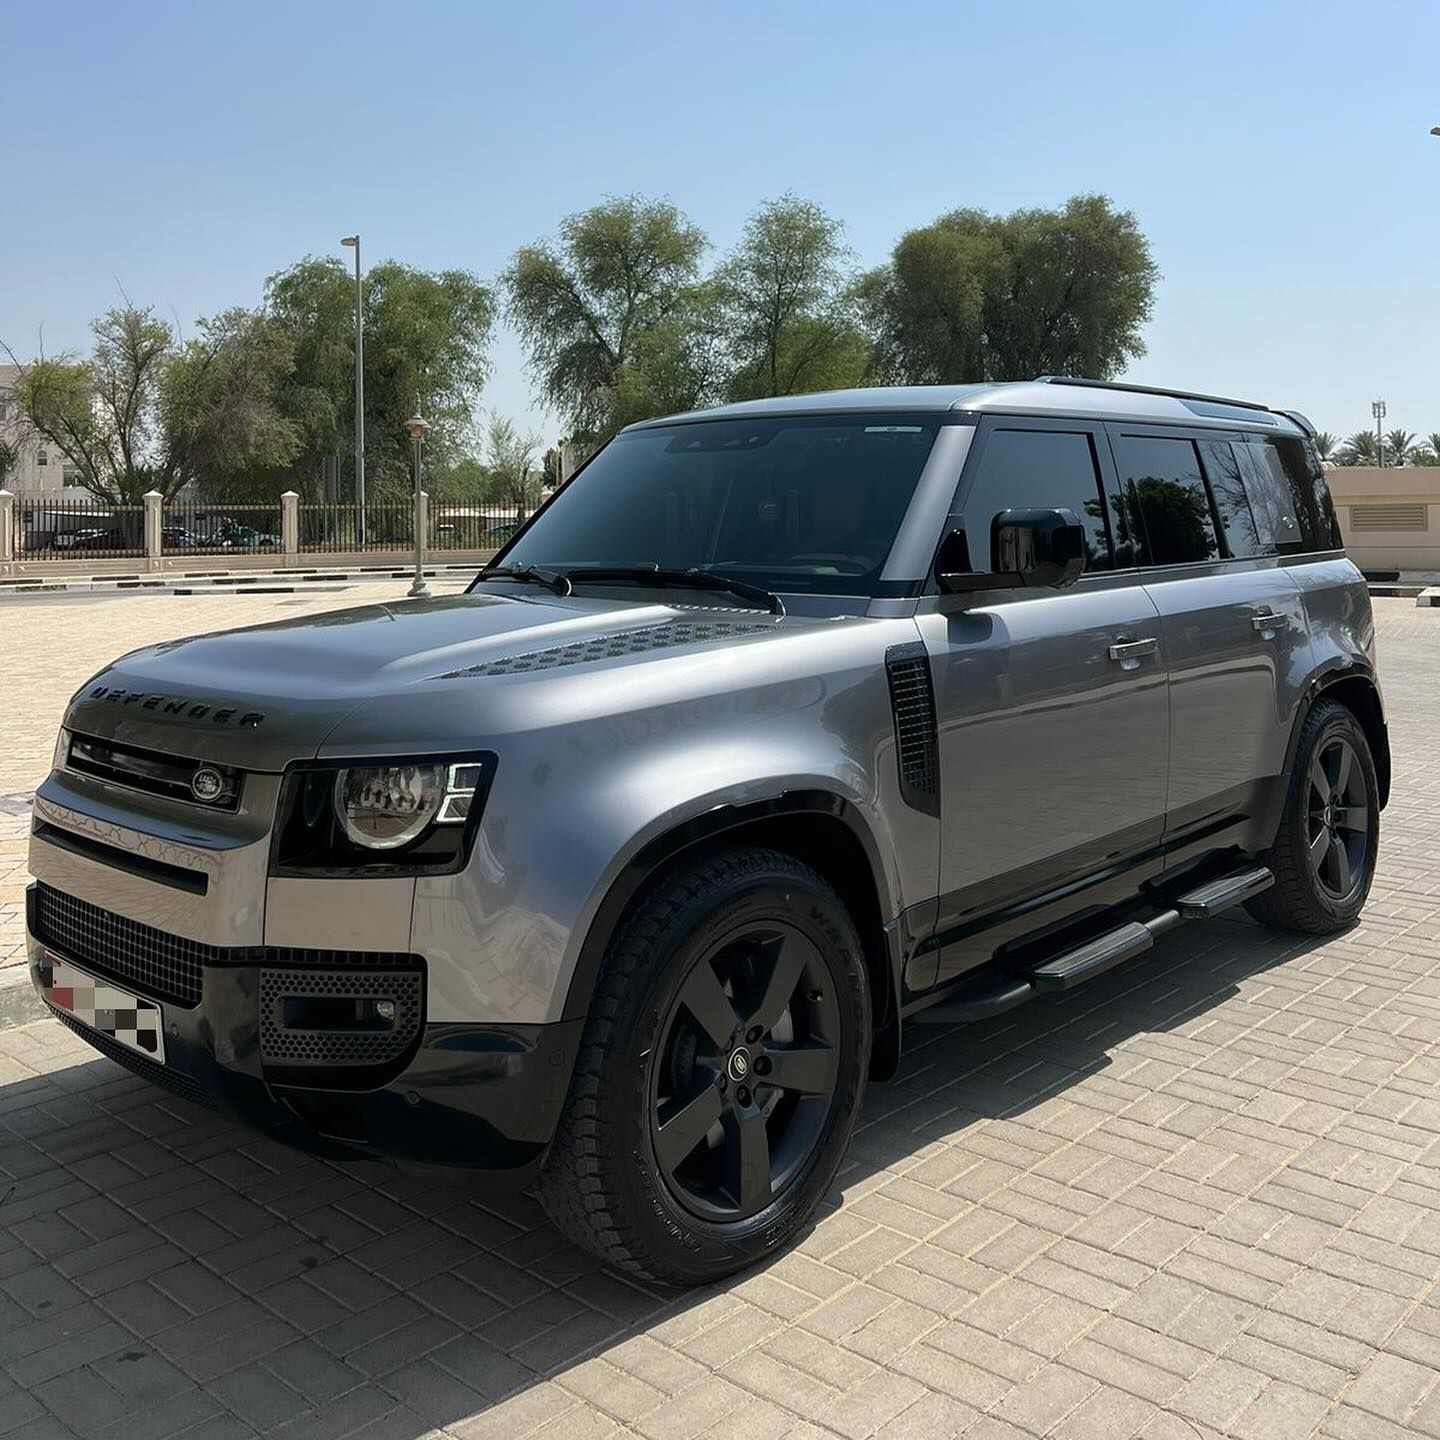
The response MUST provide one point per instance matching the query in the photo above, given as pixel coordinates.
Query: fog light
(385, 1010)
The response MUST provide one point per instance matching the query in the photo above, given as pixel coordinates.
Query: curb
(1429, 599)
(19, 1004)
(262, 590)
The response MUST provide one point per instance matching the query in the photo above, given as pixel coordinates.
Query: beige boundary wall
(1390, 518)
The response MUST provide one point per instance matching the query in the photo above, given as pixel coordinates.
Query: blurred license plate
(134, 1022)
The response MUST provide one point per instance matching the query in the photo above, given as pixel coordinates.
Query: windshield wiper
(529, 575)
(690, 579)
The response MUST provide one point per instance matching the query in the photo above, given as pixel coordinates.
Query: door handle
(1129, 652)
(1269, 625)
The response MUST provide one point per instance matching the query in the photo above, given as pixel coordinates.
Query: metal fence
(77, 529)
(190, 529)
(46, 529)
(465, 527)
(337, 529)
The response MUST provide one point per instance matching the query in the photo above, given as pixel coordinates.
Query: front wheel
(1325, 849)
(720, 1073)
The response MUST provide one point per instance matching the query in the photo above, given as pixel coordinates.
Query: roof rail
(1149, 390)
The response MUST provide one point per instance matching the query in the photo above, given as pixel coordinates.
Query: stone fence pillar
(7, 527)
(290, 524)
(154, 501)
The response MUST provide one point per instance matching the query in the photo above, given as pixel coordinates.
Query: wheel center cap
(739, 1063)
(1329, 815)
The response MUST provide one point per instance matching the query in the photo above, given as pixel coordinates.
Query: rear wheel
(1325, 849)
(720, 1074)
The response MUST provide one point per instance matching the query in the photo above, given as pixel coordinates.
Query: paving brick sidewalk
(1198, 1197)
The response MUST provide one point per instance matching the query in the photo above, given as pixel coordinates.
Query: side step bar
(1221, 895)
(1073, 967)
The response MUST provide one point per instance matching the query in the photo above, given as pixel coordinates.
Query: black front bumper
(481, 1098)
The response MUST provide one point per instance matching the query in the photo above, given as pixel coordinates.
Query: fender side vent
(912, 704)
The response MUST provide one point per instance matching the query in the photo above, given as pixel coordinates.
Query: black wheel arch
(1352, 685)
(824, 830)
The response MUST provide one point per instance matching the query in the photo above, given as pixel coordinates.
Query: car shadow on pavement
(160, 1268)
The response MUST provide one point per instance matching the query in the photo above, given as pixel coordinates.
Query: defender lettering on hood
(182, 706)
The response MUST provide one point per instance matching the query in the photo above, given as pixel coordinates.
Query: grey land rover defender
(779, 727)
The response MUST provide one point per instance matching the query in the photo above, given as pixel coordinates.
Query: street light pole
(418, 429)
(1377, 409)
(352, 242)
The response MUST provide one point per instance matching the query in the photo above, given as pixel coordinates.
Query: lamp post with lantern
(418, 428)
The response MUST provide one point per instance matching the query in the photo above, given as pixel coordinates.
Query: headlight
(384, 807)
(414, 817)
(62, 750)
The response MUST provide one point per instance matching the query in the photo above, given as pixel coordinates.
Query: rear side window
(1164, 489)
(1037, 469)
(1272, 501)
(1292, 483)
(1246, 534)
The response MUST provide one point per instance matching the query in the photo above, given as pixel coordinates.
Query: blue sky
(1277, 154)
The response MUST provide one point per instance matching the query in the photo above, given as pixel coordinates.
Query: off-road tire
(602, 1184)
(1298, 901)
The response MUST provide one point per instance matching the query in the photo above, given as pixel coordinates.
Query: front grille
(159, 965)
(154, 773)
(173, 1080)
(338, 1044)
(162, 966)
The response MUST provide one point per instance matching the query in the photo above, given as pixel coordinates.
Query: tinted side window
(1271, 499)
(1230, 494)
(1037, 469)
(1165, 488)
(1300, 478)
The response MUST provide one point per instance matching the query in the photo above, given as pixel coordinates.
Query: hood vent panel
(639, 641)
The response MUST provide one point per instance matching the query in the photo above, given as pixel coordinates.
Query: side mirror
(1028, 548)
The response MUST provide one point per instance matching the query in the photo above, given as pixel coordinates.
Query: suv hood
(268, 694)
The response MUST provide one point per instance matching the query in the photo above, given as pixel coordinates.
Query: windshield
(792, 503)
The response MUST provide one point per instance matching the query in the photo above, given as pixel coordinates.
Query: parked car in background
(110, 539)
(782, 729)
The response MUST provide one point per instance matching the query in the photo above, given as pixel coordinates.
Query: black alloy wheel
(720, 1073)
(1338, 819)
(746, 1072)
(1327, 839)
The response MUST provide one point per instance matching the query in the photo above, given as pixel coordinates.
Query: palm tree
(1325, 444)
(1398, 445)
(1359, 449)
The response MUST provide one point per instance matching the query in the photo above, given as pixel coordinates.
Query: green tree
(1358, 449)
(612, 316)
(925, 310)
(217, 402)
(510, 458)
(427, 336)
(1429, 452)
(976, 297)
(465, 482)
(785, 307)
(1399, 446)
(144, 414)
(1326, 445)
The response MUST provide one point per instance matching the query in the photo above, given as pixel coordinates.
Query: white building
(42, 469)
